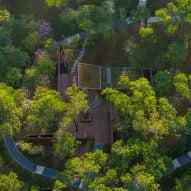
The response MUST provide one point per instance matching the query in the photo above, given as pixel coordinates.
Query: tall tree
(65, 144)
(182, 85)
(10, 182)
(45, 112)
(82, 167)
(163, 82)
(140, 109)
(77, 104)
(10, 109)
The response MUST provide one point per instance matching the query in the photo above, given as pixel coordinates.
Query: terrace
(96, 124)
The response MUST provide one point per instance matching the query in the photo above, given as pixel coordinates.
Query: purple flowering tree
(44, 28)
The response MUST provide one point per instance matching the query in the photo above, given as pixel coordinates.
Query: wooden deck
(99, 128)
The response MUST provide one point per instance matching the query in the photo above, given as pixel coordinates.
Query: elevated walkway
(20, 159)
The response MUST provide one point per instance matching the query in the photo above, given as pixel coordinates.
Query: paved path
(20, 159)
(182, 160)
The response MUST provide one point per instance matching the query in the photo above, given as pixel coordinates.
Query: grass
(89, 76)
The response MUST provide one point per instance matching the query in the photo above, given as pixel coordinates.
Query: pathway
(20, 159)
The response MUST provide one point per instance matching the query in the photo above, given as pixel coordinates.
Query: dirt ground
(112, 51)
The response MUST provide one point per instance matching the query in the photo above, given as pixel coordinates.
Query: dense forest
(150, 124)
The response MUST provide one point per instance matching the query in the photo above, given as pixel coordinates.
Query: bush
(163, 82)
(14, 76)
(29, 148)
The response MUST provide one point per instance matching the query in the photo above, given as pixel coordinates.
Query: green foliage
(12, 57)
(140, 109)
(10, 102)
(30, 148)
(140, 13)
(58, 186)
(77, 104)
(10, 182)
(65, 144)
(34, 188)
(188, 118)
(45, 111)
(136, 161)
(183, 183)
(57, 3)
(14, 76)
(4, 16)
(89, 16)
(124, 8)
(46, 66)
(177, 53)
(31, 77)
(167, 15)
(144, 180)
(80, 17)
(48, 44)
(48, 107)
(163, 82)
(81, 166)
(182, 85)
(32, 42)
(149, 55)
(106, 181)
(146, 32)
(174, 15)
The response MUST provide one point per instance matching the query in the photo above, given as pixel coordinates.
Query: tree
(31, 78)
(10, 109)
(177, 53)
(140, 13)
(41, 73)
(12, 57)
(32, 42)
(4, 16)
(1, 161)
(58, 186)
(146, 32)
(88, 16)
(77, 104)
(143, 180)
(148, 55)
(65, 144)
(14, 77)
(183, 183)
(34, 188)
(30, 148)
(167, 15)
(163, 82)
(81, 167)
(10, 182)
(175, 15)
(46, 67)
(124, 7)
(182, 85)
(107, 181)
(141, 110)
(45, 112)
(48, 108)
(57, 3)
